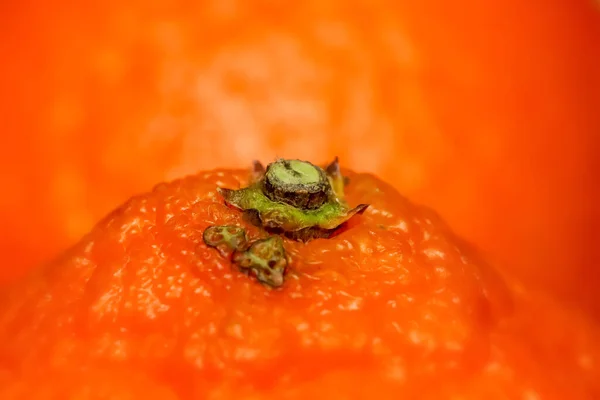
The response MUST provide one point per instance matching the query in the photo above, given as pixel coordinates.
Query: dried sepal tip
(266, 259)
(226, 239)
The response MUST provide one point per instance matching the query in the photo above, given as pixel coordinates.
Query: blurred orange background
(488, 112)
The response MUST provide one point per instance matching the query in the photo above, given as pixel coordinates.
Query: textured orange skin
(394, 306)
(471, 109)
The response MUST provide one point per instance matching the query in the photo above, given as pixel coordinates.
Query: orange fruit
(393, 306)
(471, 109)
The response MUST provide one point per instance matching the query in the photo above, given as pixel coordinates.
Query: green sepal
(286, 217)
(304, 224)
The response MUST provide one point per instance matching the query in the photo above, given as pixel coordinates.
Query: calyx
(291, 197)
(296, 198)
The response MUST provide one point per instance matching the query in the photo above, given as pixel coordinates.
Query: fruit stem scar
(297, 183)
(294, 172)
